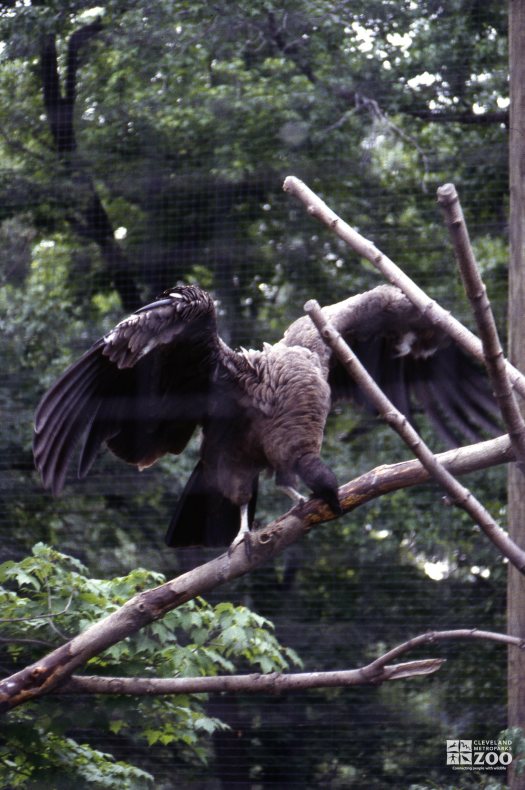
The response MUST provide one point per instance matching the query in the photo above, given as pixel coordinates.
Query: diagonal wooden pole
(391, 271)
(477, 293)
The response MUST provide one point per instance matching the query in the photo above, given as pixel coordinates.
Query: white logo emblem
(478, 755)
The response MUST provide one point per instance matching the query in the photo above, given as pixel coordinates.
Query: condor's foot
(244, 531)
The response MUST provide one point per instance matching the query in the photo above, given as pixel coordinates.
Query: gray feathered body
(282, 402)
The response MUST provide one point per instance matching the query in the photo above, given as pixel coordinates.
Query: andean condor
(144, 387)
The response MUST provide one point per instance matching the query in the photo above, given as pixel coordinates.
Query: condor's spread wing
(142, 389)
(415, 364)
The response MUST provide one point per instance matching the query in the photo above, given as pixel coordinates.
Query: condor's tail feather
(203, 516)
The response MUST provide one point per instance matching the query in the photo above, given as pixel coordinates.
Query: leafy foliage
(47, 598)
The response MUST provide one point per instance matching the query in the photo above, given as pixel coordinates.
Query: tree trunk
(89, 218)
(516, 504)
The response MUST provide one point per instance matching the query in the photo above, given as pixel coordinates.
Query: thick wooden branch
(60, 105)
(59, 110)
(459, 495)
(48, 673)
(392, 477)
(255, 683)
(374, 673)
(77, 41)
(488, 332)
(366, 249)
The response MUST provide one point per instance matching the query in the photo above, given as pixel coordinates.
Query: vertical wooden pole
(516, 486)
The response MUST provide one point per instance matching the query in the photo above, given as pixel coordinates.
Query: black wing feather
(142, 389)
(447, 385)
(414, 363)
(426, 398)
(63, 417)
(448, 410)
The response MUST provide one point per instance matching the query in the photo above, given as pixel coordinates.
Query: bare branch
(273, 683)
(372, 106)
(366, 249)
(375, 673)
(392, 477)
(477, 294)
(459, 495)
(432, 637)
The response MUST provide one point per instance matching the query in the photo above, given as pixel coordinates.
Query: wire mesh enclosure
(145, 145)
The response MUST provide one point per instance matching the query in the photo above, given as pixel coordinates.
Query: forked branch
(374, 673)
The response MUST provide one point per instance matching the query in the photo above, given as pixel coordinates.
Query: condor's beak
(152, 305)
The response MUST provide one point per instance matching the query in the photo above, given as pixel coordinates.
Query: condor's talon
(244, 530)
(296, 497)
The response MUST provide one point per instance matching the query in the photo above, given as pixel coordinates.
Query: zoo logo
(479, 755)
